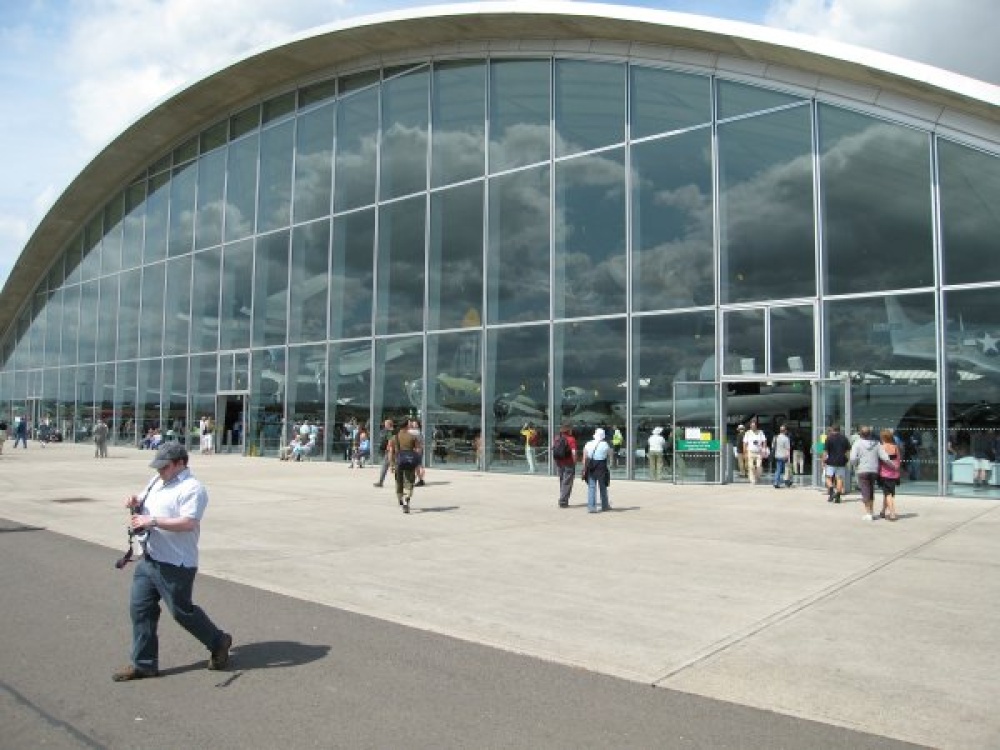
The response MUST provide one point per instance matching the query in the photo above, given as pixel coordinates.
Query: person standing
(596, 454)
(170, 510)
(754, 443)
(740, 450)
(3, 434)
(404, 452)
(617, 443)
(21, 432)
(890, 461)
(383, 447)
(564, 455)
(835, 455)
(530, 435)
(782, 454)
(864, 459)
(798, 453)
(101, 439)
(656, 447)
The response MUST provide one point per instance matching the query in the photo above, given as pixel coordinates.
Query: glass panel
(211, 199)
(264, 433)
(672, 258)
(243, 122)
(404, 135)
(697, 439)
(306, 391)
(665, 349)
(970, 213)
(592, 388)
(455, 296)
(349, 390)
(278, 107)
(241, 188)
(87, 335)
(793, 340)
(663, 100)
(177, 307)
(148, 398)
(317, 92)
(175, 396)
(740, 99)
(134, 225)
(182, 193)
(590, 264)
(454, 398)
(125, 404)
(107, 319)
(66, 403)
(518, 250)
(111, 246)
(186, 151)
(151, 318)
(875, 184)
(519, 113)
(972, 349)
(743, 342)
(400, 298)
(72, 259)
(397, 378)
(314, 164)
(214, 137)
(53, 332)
(128, 320)
(270, 308)
(202, 398)
(86, 378)
(308, 305)
(357, 148)
(517, 379)
(205, 302)
(157, 207)
(886, 346)
(458, 149)
(830, 409)
(589, 105)
(352, 275)
(90, 265)
(275, 206)
(766, 207)
(237, 296)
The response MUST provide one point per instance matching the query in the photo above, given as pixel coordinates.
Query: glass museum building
(501, 217)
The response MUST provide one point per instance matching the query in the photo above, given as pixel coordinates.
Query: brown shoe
(220, 654)
(132, 672)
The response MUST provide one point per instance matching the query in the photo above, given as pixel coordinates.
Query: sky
(75, 73)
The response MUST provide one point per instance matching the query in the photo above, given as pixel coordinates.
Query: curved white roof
(946, 101)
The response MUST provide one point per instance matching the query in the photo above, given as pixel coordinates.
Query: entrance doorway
(230, 414)
(772, 404)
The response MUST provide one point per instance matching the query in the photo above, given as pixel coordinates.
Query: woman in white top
(656, 447)
(595, 467)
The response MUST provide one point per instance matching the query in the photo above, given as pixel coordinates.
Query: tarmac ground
(772, 602)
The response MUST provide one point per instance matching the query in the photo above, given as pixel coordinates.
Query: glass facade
(492, 245)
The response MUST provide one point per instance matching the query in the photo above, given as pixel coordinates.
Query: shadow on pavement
(262, 655)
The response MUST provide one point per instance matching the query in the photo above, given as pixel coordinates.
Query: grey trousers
(566, 476)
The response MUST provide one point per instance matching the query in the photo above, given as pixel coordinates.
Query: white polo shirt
(181, 497)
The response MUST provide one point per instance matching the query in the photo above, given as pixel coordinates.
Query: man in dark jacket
(835, 456)
(565, 465)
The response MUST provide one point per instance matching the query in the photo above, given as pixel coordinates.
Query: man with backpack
(564, 456)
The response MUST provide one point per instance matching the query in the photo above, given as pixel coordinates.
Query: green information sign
(697, 446)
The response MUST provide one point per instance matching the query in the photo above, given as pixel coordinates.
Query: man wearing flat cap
(169, 510)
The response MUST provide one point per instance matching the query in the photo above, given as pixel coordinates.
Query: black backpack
(560, 448)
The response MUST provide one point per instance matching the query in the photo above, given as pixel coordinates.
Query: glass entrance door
(831, 406)
(230, 419)
(700, 453)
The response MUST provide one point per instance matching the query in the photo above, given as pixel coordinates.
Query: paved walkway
(768, 598)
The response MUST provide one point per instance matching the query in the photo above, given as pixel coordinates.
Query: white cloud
(956, 36)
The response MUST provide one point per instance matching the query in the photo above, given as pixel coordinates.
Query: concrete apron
(769, 598)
